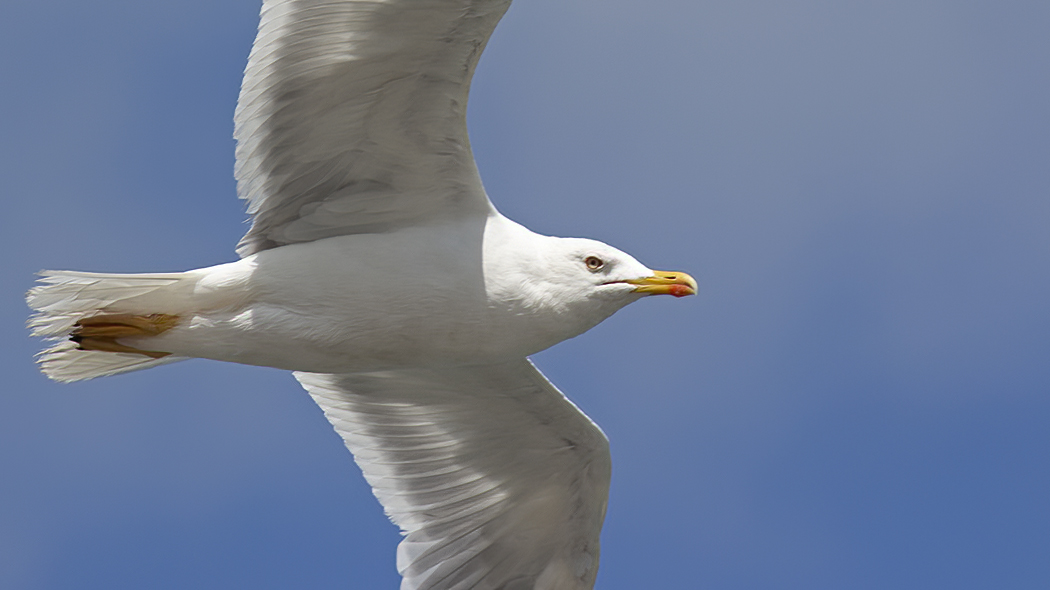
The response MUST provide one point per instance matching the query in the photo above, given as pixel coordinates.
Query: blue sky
(858, 398)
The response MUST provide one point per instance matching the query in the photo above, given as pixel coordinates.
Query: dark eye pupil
(594, 263)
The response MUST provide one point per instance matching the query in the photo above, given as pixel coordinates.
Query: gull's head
(596, 271)
(565, 286)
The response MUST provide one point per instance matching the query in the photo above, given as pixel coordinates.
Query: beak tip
(682, 290)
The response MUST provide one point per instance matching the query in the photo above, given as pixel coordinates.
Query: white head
(565, 286)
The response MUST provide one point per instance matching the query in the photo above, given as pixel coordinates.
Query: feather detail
(62, 299)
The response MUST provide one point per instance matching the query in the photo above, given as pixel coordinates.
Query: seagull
(378, 271)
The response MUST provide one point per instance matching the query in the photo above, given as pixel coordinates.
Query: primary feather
(497, 480)
(352, 116)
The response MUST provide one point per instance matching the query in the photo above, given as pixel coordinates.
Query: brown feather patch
(101, 332)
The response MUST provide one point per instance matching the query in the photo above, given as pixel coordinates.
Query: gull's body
(377, 269)
(453, 284)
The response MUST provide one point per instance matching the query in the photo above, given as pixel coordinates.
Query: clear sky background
(858, 398)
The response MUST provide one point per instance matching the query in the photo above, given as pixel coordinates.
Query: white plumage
(495, 478)
(352, 117)
(377, 269)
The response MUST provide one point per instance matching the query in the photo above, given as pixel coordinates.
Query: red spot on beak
(680, 290)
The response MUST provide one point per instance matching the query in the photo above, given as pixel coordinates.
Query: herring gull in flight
(377, 269)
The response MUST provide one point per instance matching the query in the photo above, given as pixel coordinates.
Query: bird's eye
(594, 263)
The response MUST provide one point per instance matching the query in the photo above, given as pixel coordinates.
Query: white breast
(419, 296)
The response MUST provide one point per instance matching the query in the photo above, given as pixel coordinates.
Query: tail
(68, 307)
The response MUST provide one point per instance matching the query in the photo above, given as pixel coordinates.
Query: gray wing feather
(352, 116)
(495, 478)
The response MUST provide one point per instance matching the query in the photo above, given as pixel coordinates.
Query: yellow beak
(678, 284)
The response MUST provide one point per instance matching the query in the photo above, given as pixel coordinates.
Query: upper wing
(495, 478)
(352, 116)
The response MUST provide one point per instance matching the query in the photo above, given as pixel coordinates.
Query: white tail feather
(63, 297)
(65, 362)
